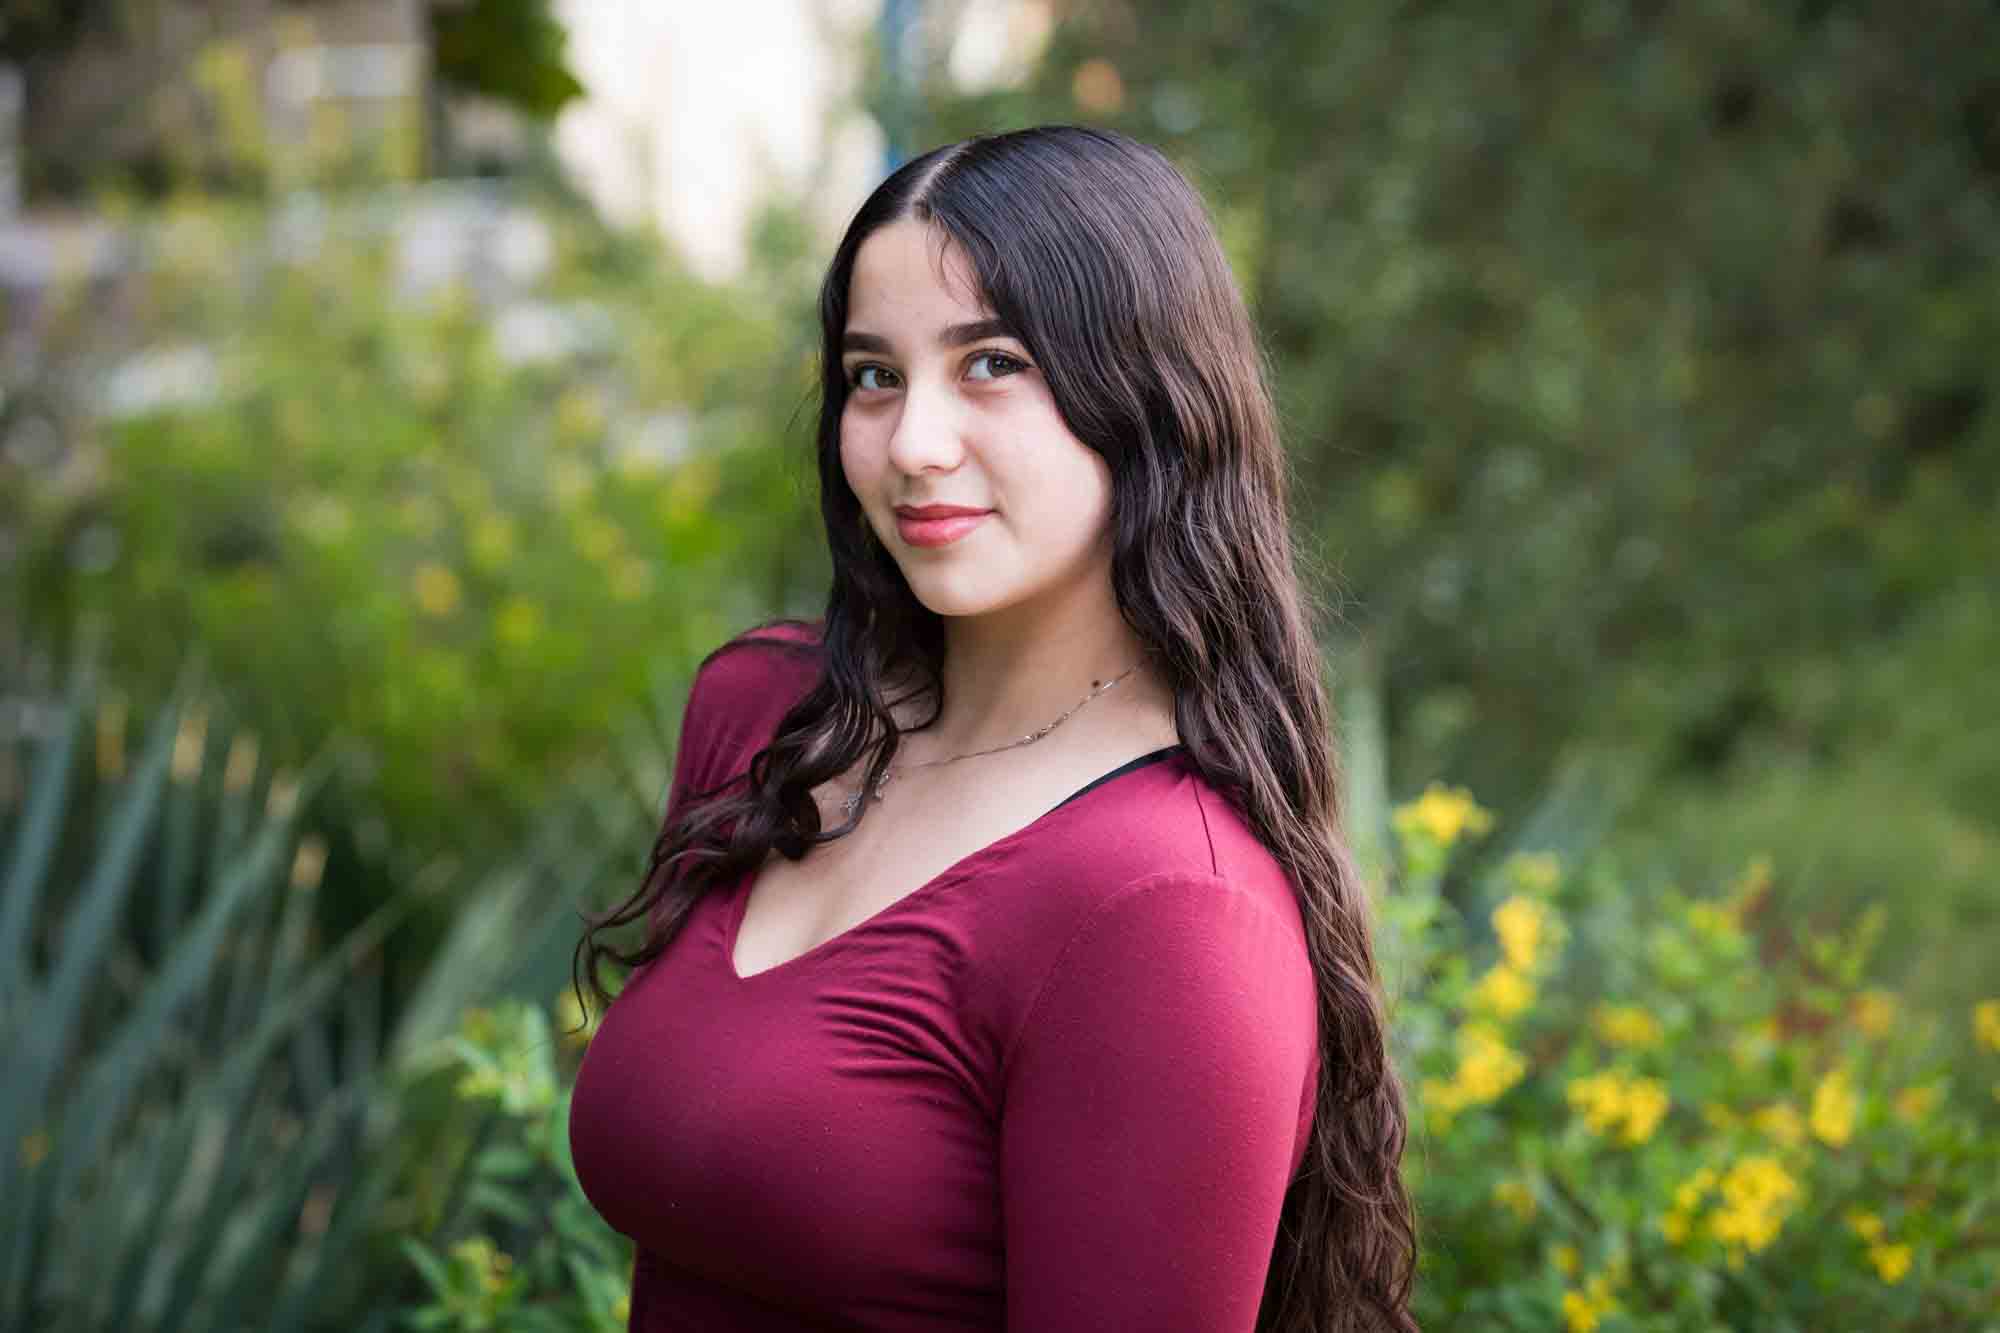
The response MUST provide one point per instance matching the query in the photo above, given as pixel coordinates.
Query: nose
(926, 435)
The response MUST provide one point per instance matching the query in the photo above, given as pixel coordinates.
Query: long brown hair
(1100, 256)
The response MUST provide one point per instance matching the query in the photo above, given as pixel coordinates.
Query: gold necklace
(1097, 687)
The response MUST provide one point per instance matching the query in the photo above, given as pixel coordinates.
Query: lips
(937, 525)
(936, 511)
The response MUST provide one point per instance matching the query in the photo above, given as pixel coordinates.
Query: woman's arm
(1152, 1106)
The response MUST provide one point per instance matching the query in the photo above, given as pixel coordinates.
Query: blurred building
(691, 116)
(225, 92)
(696, 113)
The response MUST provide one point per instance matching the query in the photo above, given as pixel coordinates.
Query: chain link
(1097, 687)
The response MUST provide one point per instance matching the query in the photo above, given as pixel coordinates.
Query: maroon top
(1061, 1085)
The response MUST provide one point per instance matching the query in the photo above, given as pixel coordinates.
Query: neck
(1011, 673)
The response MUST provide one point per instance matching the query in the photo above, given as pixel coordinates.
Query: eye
(998, 364)
(868, 375)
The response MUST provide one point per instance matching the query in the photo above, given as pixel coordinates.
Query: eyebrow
(951, 335)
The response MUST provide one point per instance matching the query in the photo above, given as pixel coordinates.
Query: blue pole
(899, 19)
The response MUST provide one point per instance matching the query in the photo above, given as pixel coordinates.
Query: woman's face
(944, 408)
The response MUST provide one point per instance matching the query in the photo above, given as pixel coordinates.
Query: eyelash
(854, 375)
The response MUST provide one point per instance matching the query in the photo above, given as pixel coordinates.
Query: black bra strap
(1164, 752)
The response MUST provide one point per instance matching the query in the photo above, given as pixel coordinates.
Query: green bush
(191, 1066)
(464, 529)
(1638, 1108)
(522, 1250)
(1636, 364)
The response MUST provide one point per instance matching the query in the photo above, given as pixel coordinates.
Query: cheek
(1069, 486)
(860, 461)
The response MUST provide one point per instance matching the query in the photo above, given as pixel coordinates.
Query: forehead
(912, 273)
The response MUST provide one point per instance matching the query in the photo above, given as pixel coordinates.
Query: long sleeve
(690, 748)
(1152, 1105)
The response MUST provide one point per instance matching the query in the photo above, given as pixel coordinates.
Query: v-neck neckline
(739, 905)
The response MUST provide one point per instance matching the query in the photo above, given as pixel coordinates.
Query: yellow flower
(1833, 1108)
(1891, 1261)
(1612, 1102)
(1717, 1116)
(1583, 1309)
(1914, 1103)
(1875, 1012)
(489, 1263)
(1515, 1197)
(1442, 813)
(1690, 1192)
(1522, 925)
(1646, 1103)
(1503, 992)
(436, 588)
(1678, 1222)
(1781, 1122)
(1757, 1194)
(1626, 1025)
(1986, 1023)
(1712, 919)
(1566, 1258)
(1600, 1098)
(518, 621)
(1864, 1224)
(1442, 1097)
(1487, 1065)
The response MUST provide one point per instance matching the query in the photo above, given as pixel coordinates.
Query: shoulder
(1162, 897)
(741, 691)
(748, 665)
(1164, 832)
(1179, 980)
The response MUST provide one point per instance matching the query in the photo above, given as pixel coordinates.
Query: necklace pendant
(853, 803)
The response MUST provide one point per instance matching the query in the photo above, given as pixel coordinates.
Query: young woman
(1005, 966)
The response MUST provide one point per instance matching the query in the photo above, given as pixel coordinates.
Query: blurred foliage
(194, 85)
(29, 28)
(511, 50)
(465, 529)
(1636, 364)
(1644, 1109)
(219, 1113)
(528, 1252)
(191, 1063)
(482, 1224)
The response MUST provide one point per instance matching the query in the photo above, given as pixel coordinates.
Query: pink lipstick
(936, 525)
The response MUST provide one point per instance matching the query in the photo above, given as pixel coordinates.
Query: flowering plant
(1658, 1110)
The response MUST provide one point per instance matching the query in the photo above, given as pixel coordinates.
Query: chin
(952, 593)
(957, 603)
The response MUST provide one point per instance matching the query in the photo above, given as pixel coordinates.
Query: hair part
(1100, 255)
